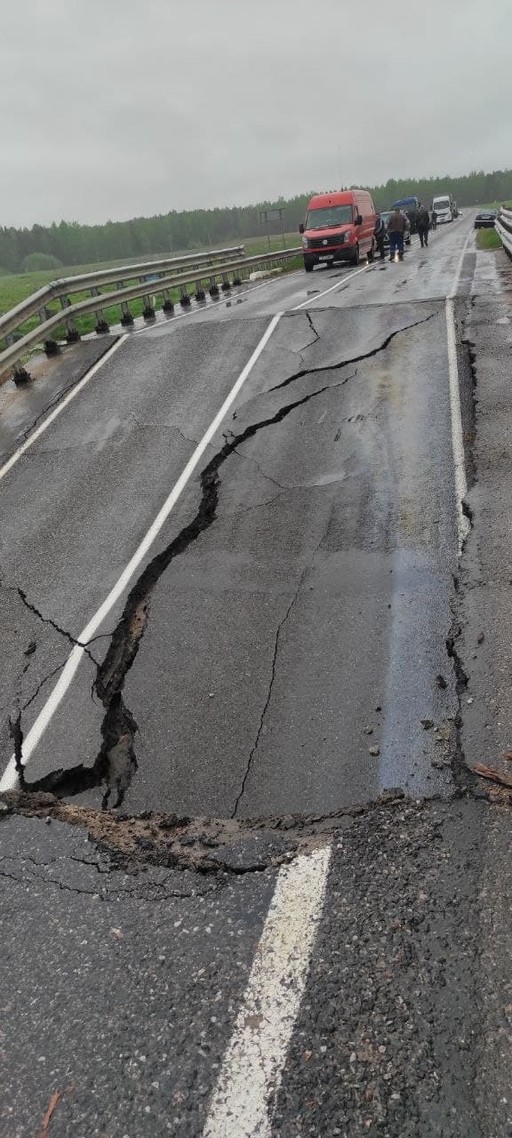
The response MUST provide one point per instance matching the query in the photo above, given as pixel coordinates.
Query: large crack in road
(116, 763)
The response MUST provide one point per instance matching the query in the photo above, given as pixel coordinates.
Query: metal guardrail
(64, 287)
(503, 228)
(97, 304)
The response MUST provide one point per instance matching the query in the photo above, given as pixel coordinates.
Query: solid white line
(60, 408)
(459, 462)
(318, 295)
(9, 779)
(244, 1099)
(453, 291)
(461, 485)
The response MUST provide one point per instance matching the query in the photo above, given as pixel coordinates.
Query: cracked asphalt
(300, 658)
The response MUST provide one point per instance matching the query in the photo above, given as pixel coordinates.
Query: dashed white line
(9, 779)
(244, 1099)
(318, 295)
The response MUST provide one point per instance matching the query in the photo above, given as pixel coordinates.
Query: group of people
(396, 227)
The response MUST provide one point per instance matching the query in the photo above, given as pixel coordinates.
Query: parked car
(338, 227)
(385, 215)
(486, 219)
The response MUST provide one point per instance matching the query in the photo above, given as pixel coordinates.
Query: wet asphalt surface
(291, 663)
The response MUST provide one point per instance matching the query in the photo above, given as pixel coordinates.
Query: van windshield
(442, 203)
(328, 216)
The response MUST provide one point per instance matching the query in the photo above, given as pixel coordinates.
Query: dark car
(486, 219)
(385, 215)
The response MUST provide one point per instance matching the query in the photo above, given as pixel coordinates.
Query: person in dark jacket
(380, 235)
(397, 225)
(423, 225)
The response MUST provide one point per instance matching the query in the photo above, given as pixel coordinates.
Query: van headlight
(305, 243)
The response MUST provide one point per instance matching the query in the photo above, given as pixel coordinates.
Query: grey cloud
(125, 108)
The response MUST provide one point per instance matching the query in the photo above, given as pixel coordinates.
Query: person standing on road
(380, 235)
(397, 225)
(434, 219)
(423, 225)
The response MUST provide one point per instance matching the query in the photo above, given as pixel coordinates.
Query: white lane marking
(318, 295)
(461, 485)
(60, 408)
(243, 1101)
(453, 291)
(459, 462)
(9, 779)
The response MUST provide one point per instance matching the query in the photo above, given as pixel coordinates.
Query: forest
(69, 243)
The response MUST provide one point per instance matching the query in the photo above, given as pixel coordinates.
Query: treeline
(70, 243)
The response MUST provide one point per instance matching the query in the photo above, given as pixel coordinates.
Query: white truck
(445, 207)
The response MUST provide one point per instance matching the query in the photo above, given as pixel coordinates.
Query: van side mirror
(359, 220)
(301, 228)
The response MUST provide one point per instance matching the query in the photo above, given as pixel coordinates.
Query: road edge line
(459, 459)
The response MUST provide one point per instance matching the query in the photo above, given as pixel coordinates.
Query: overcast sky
(122, 108)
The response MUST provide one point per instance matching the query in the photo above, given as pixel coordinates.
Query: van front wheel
(354, 260)
(308, 264)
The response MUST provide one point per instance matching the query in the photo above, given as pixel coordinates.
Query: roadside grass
(16, 287)
(487, 239)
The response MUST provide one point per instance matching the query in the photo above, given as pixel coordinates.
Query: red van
(338, 227)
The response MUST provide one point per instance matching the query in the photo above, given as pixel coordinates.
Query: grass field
(17, 287)
(487, 239)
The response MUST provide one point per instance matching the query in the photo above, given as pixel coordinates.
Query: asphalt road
(291, 644)
(303, 625)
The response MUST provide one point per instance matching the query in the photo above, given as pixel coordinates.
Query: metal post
(101, 324)
(72, 334)
(148, 311)
(126, 318)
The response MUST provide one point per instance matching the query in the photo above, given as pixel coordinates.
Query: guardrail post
(225, 286)
(21, 376)
(148, 311)
(185, 297)
(72, 333)
(126, 318)
(51, 347)
(101, 324)
(168, 306)
(199, 293)
(214, 288)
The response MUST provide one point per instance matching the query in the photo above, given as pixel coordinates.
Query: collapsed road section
(359, 436)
